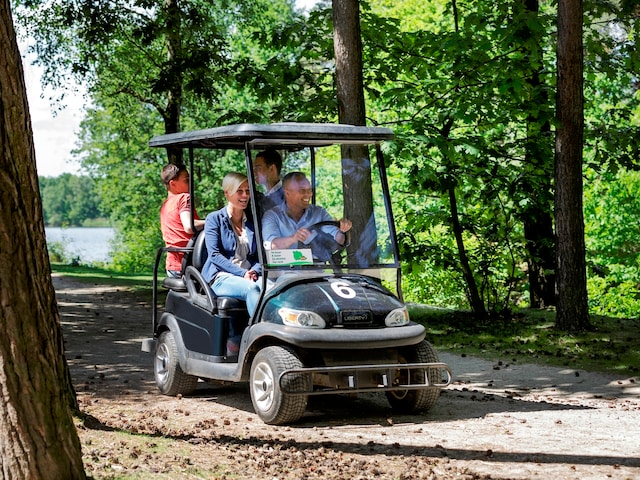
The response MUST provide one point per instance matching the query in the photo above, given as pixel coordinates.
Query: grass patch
(529, 336)
(138, 282)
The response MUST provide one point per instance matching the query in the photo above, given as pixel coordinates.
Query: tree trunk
(537, 217)
(356, 177)
(38, 438)
(572, 312)
(538, 234)
(174, 91)
(476, 303)
(347, 46)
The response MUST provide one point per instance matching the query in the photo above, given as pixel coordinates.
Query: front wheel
(411, 401)
(170, 378)
(272, 405)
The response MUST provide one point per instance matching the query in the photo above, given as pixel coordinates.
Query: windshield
(300, 228)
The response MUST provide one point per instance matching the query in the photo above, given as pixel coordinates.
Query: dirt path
(499, 420)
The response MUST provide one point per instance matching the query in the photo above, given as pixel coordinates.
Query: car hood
(348, 301)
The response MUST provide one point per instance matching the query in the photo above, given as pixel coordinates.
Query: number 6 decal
(343, 290)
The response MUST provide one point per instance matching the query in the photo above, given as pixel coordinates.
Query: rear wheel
(170, 378)
(411, 401)
(272, 405)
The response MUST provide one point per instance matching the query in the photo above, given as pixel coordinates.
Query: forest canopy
(468, 87)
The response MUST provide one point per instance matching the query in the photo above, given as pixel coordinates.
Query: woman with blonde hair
(232, 268)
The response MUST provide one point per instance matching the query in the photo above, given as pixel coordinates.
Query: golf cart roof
(289, 136)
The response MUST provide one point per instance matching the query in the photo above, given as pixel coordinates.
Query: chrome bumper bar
(365, 378)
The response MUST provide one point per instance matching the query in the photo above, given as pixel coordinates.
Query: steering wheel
(327, 243)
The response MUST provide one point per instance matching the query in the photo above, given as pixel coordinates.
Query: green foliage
(458, 94)
(611, 212)
(287, 72)
(58, 254)
(121, 48)
(612, 62)
(68, 200)
(429, 282)
(613, 297)
(529, 336)
(469, 94)
(127, 176)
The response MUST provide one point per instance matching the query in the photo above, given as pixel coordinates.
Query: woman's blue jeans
(228, 285)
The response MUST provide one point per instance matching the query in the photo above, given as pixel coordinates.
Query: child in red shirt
(175, 215)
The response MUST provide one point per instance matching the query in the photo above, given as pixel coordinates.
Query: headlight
(397, 317)
(301, 318)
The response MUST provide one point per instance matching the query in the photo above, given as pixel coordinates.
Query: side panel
(201, 332)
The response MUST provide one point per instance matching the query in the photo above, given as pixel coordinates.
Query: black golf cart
(330, 319)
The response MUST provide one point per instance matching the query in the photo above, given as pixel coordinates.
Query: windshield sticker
(298, 256)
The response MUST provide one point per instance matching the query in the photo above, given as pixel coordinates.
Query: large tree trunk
(174, 91)
(348, 57)
(572, 312)
(356, 178)
(37, 436)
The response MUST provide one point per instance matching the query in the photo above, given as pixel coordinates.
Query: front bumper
(365, 378)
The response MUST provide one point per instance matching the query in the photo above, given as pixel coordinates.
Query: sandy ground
(500, 419)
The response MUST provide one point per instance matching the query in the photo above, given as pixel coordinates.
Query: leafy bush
(58, 254)
(529, 336)
(617, 294)
(425, 282)
(611, 237)
(135, 248)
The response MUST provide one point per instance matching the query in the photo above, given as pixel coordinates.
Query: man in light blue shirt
(287, 225)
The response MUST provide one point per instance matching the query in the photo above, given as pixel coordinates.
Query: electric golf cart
(330, 319)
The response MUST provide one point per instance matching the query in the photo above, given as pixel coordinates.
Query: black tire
(170, 378)
(271, 405)
(412, 401)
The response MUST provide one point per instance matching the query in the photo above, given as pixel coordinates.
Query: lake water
(89, 244)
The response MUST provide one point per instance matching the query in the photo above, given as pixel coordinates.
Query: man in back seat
(266, 168)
